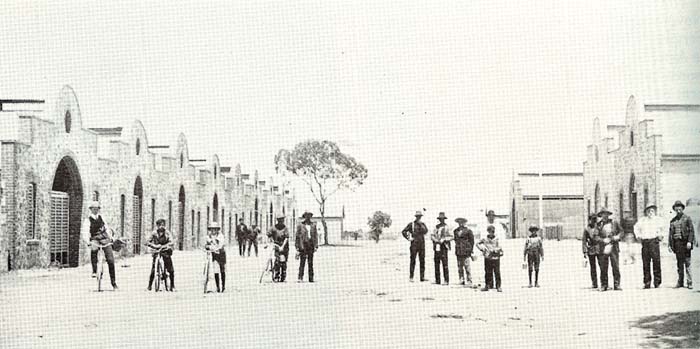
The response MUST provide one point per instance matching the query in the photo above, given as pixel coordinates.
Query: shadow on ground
(675, 330)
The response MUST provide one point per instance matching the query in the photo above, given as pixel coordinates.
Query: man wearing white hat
(96, 233)
(649, 229)
(415, 233)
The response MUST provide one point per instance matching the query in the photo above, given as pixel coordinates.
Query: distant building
(654, 158)
(51, 167)
(562, 200)
(335, 226)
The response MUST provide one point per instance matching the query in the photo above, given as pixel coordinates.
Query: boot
(223, 282)
(216, 279)
(150, 282)
(172, 281)
(537, 276)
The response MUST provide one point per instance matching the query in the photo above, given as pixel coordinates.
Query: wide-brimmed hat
(94, 203)
(460, 220)
(418, 213)
(678, 203)
(533, 228)
(214, 225)
(650, 207)
(441, 215)
(307, 213)
(490, 212)
(604, 210)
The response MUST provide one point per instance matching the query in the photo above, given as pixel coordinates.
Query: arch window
(67, 121)
(122, 208)
(215, 172)
(596, 198)
(170, 215)
(631, 138)
(31, 211)
(182, 160)
(153, 214)
(96, 195)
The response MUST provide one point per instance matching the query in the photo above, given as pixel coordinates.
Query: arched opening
(596, 198)
(215, 205)
(137, 215)
(181, 219)
(513, 220)
(66, 214)
(256, 212)
(633, 198)
(270, 218)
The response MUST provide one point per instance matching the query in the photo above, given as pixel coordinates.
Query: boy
(160, 241)
(464, 246)
(216, 243)
(533, 252)
(492, 263)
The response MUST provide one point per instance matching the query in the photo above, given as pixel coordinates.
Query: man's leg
(302, 263)
(530, 266)
(412, 266)
(603, 261)
(311, 266)
(488, 274)
(109, 256)
(445, 269)
(168, 261)
(615, 264)
(497, 272)
(421, 259)
(468, 269)
(460, 268)
(255, 243)
(656, 262)
(680, 266)
(93, 259)
(153, 272)
(222, 271)
(646, 260)
(688, 271)
(436, 262)
(592, 264)
(536, 261)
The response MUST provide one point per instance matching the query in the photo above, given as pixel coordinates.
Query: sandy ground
(361, 298)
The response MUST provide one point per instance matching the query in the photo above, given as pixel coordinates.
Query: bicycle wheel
(206, 276)
(267, 267)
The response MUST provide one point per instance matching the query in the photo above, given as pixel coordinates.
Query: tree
(377, 223)
(324, 168)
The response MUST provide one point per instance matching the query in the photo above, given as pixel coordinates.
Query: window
(182, 160)
(31, 211)
(646, 196)
(170, 215)
(67, 121)
(589, 207)
(622, 199)
(207, 222)
(138, 146)
(631, 138)
(223, 221)
(596, 198)
(96, 195)
(122, 205)
(606, 200)
(153, 214)
(193, 223)
(199, 225)
(214, 171)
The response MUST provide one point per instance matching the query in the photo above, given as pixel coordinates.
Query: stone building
(562, 200)
(654, 158)
(51, 167)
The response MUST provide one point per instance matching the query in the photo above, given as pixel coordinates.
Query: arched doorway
(633, 198)
(596, 198)
(66, 214)
(138, 215)
(215, 204)
(181, 219)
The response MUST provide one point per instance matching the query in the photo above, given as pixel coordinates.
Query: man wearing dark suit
(415, 233)
(241, 235)
(306, 243)
(610, 235)
(681, 236)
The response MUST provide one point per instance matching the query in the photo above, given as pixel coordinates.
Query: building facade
(51, 168)
(654, 158)
(561, 196)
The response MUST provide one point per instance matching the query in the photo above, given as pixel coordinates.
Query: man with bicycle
(279, 235)
(161, 243)
(216, 244)
(97, 234)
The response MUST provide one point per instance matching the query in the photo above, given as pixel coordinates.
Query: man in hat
(96, 234)
(649, 229)
(493, 252)
(306, 244)
(252, 238)
(241, 234)
(415, 233)
(161, 242)
(464, 247)
(533, 253)
(610, 235)
(216, 243)
(279, 236)
(441, 238)
(681, 235)
(591, 249)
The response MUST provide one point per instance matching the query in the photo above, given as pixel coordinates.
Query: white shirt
(649, 228)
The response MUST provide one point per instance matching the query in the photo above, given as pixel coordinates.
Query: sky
(441, 101)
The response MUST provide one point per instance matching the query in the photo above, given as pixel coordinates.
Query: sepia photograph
(349, 174)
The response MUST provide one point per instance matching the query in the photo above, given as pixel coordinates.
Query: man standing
(216, 243)
(253, 238)
(464, 246)
(649, 230)
(591, 250)
(97, 234)
(415, 233)
(441, 244)
(681, 235)
(492, 259)
(610, 235)
(306, 244)
(241, 234)
(279, 235)
(160, 242)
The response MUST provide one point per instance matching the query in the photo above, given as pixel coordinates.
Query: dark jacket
(591, 241)
(241, 231)
(98, 233)
(611, 230)
(156, 240)
(464, 241)
(306, 241)
(417, 234)
(681, 232)
(278, 233)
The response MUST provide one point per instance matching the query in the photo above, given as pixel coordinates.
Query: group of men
(464, 240)
(97, 235)
(601, 243)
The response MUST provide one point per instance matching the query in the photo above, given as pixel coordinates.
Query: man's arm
(85, 231)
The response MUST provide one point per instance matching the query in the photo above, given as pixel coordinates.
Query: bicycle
(273, 262)
(206, 275)
(162, 276)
